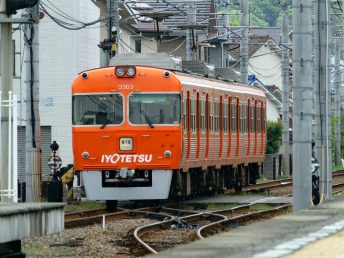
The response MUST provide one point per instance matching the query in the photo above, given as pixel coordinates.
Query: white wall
(272, 113)
(266, 65)
(63, 54)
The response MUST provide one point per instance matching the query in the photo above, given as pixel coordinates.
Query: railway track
(155, 237)
(267, 186)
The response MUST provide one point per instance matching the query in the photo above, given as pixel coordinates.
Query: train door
(193, 127)
(248, 123)
(188, 119)
(255, 127)
(185, 126)
(198, 122)
(219, 122)
(207, 122)
(229, 127)
(203, 128)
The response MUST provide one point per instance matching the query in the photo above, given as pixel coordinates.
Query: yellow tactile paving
(329, 247)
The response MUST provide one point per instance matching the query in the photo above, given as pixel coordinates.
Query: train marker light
(84, 75)
(120, 71)
(131, 71)
(168, 154)
(85, 155)
(166, 74)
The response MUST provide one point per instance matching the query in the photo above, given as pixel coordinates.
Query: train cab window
(97, 109)
(225, 116)
(154, 109)
(234, 116)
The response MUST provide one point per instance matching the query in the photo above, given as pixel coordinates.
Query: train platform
(21, 220)
(317, 232)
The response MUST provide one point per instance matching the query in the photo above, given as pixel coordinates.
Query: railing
(12, 178)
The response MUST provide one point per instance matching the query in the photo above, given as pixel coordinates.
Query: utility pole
(244, 22)
(337, 84)
(321, 95)
(190, 20)
(6, 72)
(111, 35)
(303, 100)
(285, 89)
(33, 133)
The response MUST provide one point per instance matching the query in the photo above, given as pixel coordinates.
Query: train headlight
(131, 71)
(120, 71)
(85, 155)
(168, 154)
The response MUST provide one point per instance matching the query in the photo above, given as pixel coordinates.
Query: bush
(274, 136)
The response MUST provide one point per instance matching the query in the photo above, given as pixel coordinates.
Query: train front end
(126, 131)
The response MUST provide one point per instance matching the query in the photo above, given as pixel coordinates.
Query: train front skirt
(161, 182)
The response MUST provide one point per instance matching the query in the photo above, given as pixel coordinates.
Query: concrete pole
(337, 83)
(303, 100)
(321, 82)
(244, 21)
(33, 132)
(6, 74)
(191, 20)
(285, 89)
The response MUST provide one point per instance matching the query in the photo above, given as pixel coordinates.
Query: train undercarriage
(166, 184)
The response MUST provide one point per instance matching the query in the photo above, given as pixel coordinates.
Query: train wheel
(111, 205)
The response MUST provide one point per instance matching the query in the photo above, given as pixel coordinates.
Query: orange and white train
(149, 133)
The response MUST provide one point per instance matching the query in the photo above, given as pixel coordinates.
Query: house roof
(255, 43)
(177, 7)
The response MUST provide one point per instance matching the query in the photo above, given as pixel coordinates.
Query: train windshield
(97, 109)
(162, 108)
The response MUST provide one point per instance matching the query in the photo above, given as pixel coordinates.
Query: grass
(46, 251)
(84, 205)
(336, 168)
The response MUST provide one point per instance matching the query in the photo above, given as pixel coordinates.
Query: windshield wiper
(149, 122)
(104, 124)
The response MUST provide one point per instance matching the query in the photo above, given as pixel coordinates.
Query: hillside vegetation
(262, 12)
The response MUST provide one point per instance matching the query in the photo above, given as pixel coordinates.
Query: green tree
(274, 136)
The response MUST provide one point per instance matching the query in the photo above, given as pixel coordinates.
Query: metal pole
(191, 20)
(6, 72)
(244, 21)
(285, 89)
(33, 139)
(303, 100)
(337, 104)
(15, 149)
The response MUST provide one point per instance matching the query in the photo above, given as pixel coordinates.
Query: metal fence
(12, 172)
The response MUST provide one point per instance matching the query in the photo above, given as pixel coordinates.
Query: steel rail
(241, 218)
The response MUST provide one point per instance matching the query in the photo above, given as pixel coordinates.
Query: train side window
(185, 121)
(202, 113)
(225, 116)
(193, 115)
(234, 116)
(211, 105)
(259, 129)
(252, 116)
(217, 114)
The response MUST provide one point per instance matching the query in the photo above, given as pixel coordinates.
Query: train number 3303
(125, 87)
